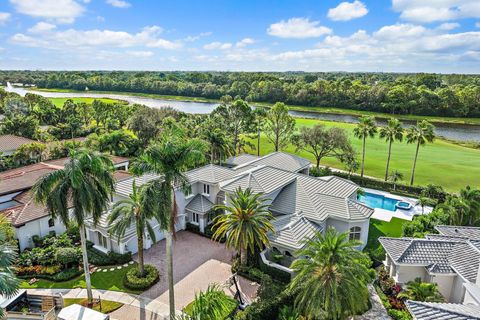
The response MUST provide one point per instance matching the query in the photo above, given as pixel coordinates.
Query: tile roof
(240, 159)
(210, 173)
(437, 311)
(472, 233)
(10, 142)
(465, 260)
(200, 204)
(292, 230)
(124, 187)
(281, 160)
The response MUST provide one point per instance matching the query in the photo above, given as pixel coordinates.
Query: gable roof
(10, 142)
(281, 160)
(451, 311)
(472, 233)
(200, 204)
(291, 230)
(210, 173)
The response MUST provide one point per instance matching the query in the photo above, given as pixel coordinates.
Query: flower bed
(388, 292)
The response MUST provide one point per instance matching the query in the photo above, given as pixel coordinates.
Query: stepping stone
(112, 269)
(119, 267)
(99, 270)
(104, 270)
(131, 262)
(125, 265)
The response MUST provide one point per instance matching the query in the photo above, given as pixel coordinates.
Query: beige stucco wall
(445, 285)
(404, 273)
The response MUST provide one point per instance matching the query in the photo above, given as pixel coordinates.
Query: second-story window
(206, 189)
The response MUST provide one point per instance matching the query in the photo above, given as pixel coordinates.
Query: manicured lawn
(110, 280)
(105, 306)
(443, 163)
(60, 101)
(379, 228)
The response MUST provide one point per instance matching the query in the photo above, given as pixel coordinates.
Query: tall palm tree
(458, 210)
(421, 291)
(366, 128)
(8, 282)
(170, 157)
(245, 223)
(392, 132)
(472, 197)
(85, 184)
(220, 144)
(394, 177)
(133, 211)
(330, 282)
(420, 134)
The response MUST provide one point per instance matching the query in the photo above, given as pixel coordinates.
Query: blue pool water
(378, 201)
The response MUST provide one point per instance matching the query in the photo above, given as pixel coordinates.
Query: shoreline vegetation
(340, 111)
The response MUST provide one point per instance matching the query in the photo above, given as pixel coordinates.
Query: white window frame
(206, 189)
(103, 241)
(355, 233)
(195, 218)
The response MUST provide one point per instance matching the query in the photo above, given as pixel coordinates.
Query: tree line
(408, 94)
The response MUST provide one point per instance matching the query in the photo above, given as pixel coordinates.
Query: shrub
(37, 241)
(68, 256)
(133, 280)
(100, 258)
(192, 228)
(275, 273)
(67, 274)
(320, 172)
(399, 314)
(37, 270)
(118, 258)
(267, 309)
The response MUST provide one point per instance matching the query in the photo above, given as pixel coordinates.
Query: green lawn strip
(232, 305)
(110, 280)
(379, 228)
(449, 165)
(434, 119)
(60, 101)
(105, 306)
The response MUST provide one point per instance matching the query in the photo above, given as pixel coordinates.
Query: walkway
(135, 307)
(377, 311)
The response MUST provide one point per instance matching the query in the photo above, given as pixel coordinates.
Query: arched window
(51, 223)
(355, 233)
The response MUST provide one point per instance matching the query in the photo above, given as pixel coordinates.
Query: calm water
(450, 131)
(378, 201)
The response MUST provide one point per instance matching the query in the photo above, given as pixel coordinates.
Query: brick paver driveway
(197, 262)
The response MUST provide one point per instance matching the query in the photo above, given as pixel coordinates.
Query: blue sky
(249, 35)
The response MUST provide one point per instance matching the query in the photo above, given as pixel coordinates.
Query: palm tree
(366, 128)
(420, 134)
(331, 281)
(472, 198)
(210, 304)
(392, 132)
(421, 291)
(423, 201)
(394, 177)
(8, 282)
(220, 144)
(245, 223)
(170, 157)
(458, 210)
(130, 211)
(86, 184)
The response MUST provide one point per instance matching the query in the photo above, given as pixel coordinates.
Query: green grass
(60, 101)
(110, 280)
(232, 305)
(444, 163)
(105, 306)
(379, 228)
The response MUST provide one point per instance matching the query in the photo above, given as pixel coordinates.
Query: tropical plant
(421, 291)
(133, 211)
(366, 128)
(245, 223)
(472, 197)
(170, 157)
(85, 185)
(331, 277)
(279, 125)
(220, 144)
(8, 282)
(392, 132)
(420, 134)
(394, 177)
(259, 114)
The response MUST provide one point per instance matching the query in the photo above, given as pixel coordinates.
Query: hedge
(275, 273)
(64, 275)
(133, 280)
(266, 309)
(100, 258)
(208, 231)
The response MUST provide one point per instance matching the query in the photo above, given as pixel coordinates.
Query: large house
(300, 203)
(9, 143)
(450, 258)
(16, 205)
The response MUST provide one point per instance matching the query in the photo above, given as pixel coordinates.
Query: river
(459, 132)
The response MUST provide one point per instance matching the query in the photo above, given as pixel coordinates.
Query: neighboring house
(445, 311)
(10, 143)
(28, 218)
(451, 259)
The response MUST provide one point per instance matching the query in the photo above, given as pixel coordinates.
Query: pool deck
(387, 215)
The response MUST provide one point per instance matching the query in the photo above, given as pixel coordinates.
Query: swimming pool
(378, 201)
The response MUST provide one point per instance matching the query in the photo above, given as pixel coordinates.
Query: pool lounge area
(388, 205)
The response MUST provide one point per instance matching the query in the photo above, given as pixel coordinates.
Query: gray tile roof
(472, 233)
(240, 159)
(473, 289)
(291, 230)
(200, 204)
(442, 311)
(465, 260)
(433, 236)
(125, 187)
(281, 160)
(210, 173)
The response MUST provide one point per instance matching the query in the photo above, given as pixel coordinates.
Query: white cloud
(244, 42)
(148, 37)
(4, 17)
(62, 11)
(217, 46)
(347, 11)
(140, 54)
(42, 27)
(449, 26)
(197, 37)
(477, 24)
(298, 28)
(426, 11)
(119, 3)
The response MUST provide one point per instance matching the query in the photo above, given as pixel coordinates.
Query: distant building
(9, 143)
